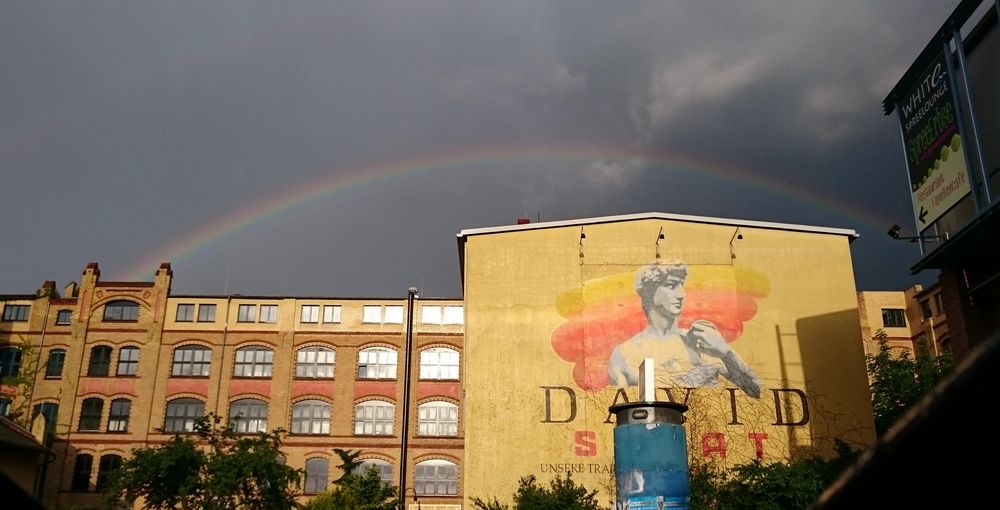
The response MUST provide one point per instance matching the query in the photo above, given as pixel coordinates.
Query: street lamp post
(402, 497)
(407, 367)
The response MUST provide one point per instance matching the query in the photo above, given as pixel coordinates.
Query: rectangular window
(247, 313)
(81, 472)
(893, 318)
(185, 313)
(90, 414)
(454, 315)
(63, 317)
(940, 303)
(310, 314)
(16, 312)
(371, 314)
(206, 313)
(100, 361)
(394, 314)
(10, 361)
(430, 314)
(925, 309)
(269, 314)
(128, 361)
(331, 314)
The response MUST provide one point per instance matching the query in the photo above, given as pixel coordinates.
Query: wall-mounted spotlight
(659, 237)
(895, 230)
(582, 237)
(737, 234)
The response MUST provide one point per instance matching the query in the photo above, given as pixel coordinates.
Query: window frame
(332, 314)
(309, 314)
(305, 424)
(106, 469)
(91, 413)
(126, 311)
(439, 371)
(240, 423)
(119, 414)
(124, 360)
(421, 482)
(54, 364)
(367, 414)
(185, 312)
(16, 312)
(99, 366)
(81, 475)
(206, 312)
(383, 467)
(170, 421)
(432, 427)
(890, 316)
(246, 313)
(204, 365)
(268, 314)
(312, 483)
(10, 361)
(64, 317)
(302, 368)
(377, 365)
(250, 367)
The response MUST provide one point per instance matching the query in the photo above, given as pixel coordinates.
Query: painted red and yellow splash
(605, 312)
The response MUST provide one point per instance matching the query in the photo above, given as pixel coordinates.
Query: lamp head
(894, 231)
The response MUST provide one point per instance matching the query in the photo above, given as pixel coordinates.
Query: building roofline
(659, 216)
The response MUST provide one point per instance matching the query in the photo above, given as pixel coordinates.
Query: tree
(776, 486)
(234, 471)
(22, 382)
(354, 491)
(899, 382)
(561, 494)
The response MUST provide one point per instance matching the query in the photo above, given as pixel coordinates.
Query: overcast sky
(336, 148)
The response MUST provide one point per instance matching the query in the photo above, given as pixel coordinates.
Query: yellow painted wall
(537, 312)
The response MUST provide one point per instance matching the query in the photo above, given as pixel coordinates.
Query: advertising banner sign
(928, 119)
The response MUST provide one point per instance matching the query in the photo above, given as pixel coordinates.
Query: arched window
(384, 469)
(90, 414)
(10, 361)
(182, 413)
(100, 361)
(81, 472)
(374, 418)
(376, 363)
(317, 475)
(253, 362)
(314, 362)
(436, 478)
(54, 366)
(439, 363)
(192, 361)
(49, 412)
(128, 361)
(118, 417)
(248, 416)
(121, 310)
(311, 417)
(107, 467)
(437, 418)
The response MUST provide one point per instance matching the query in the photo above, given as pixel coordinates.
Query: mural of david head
(694, 357)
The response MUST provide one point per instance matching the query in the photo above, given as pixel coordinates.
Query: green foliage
(355, 491)
(561, 494)
(235, 471)
(776, 486)
(899, 382)
(22, 383)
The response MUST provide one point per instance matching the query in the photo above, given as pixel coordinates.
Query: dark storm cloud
(128, 126)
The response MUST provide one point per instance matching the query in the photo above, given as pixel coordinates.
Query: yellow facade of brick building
(119, 361)
(554, 318)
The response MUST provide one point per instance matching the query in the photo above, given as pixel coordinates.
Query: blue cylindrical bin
(651, 462)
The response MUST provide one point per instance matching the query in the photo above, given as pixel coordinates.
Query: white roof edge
(659, 216)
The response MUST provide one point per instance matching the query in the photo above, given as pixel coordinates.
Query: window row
(92, 413)
(433, 477)
(248, 416)
(437, 363)
(99, 364)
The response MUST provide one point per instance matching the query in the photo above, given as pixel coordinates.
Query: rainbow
(214, 232)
